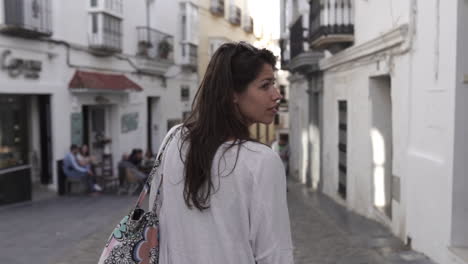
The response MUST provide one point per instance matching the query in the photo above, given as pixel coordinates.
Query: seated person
(126, 164)
(83, 157)
(136, 157)
(72, 169)
(148, 162)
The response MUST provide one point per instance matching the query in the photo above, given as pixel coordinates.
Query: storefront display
(13, 131)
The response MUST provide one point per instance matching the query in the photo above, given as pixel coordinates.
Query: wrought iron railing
(330, 17)
(217, 7)
(235, 14)
(248, 24)
(284, 53)
(154, 44)
(297, 38)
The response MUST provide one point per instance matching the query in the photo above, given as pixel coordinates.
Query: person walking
(223, 194)
(281, 147)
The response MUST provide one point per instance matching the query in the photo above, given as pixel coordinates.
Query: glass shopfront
(13, 131)
(15, 170)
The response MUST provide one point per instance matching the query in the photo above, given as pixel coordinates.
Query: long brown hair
(214, 118)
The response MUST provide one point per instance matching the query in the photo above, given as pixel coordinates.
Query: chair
(69, 182)
(106, 178)
(132, 182)
(66, 184)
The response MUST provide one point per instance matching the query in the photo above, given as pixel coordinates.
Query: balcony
(285, 54)
(331, 24)
(306, 62)
(106, 43)
(301, 60)
(189, 56)
(105, 34)
(248, 24)
(235, 15)
(217, 7)
(155, 50)
(111, 7)
(296, 37)
(29, 19)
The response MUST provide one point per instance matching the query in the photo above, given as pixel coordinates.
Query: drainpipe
(148, 20)
(407, 46)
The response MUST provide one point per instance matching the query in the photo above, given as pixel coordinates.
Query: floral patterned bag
(136, 237)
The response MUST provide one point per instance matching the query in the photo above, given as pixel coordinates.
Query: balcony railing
(154, 44)
(248, 24)
(27, 18)
(297, 38)
(331, 24)
(285, 54)
(235, 14)
(106, 43)
(189, 55)
(217, 7)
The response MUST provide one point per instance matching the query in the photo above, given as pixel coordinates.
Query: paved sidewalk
(326, 233)
(59, 230)
(73, 230)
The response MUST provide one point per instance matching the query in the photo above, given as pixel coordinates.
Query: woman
(83, 157)
(224, 194)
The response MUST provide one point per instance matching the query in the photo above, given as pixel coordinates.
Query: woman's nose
(277, 95)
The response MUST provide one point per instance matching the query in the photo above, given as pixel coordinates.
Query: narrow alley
(73, 230)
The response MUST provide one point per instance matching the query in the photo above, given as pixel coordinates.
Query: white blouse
(248, 220)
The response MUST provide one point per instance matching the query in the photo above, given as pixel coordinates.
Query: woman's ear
(236, 98)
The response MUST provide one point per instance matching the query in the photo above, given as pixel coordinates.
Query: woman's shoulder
(256, 152)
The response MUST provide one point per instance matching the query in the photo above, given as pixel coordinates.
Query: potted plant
(164, 48)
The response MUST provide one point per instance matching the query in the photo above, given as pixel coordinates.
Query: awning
(95, 81)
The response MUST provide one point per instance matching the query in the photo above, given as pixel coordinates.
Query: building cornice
(391, 39)
(306, 62)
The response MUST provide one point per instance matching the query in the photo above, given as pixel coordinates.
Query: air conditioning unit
(217, 7)
(27, 18)
(235, 15)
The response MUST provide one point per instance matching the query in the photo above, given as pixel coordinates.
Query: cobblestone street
(72, 230)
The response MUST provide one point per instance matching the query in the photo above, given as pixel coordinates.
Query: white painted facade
(298, 88)
(71, 24)
(404, 84)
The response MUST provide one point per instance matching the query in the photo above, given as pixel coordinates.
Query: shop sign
(129, 122)
(18, 66)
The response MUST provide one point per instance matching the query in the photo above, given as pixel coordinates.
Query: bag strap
(153, 172)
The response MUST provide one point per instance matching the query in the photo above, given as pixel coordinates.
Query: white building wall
(373, 18)
(430, 149)
(460, 184)
(298, 135)
(423, 82)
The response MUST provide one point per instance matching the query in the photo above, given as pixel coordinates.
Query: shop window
(13, 131)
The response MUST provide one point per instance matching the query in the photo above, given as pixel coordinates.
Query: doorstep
(460, 254)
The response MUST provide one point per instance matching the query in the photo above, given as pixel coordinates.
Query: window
(215, 44)
(184, 26)
(185, 115)
(184, 93)
(94, 21)
(114, 5)
(13, 131)
(112, 30)
(93, 3)
(189, 22)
